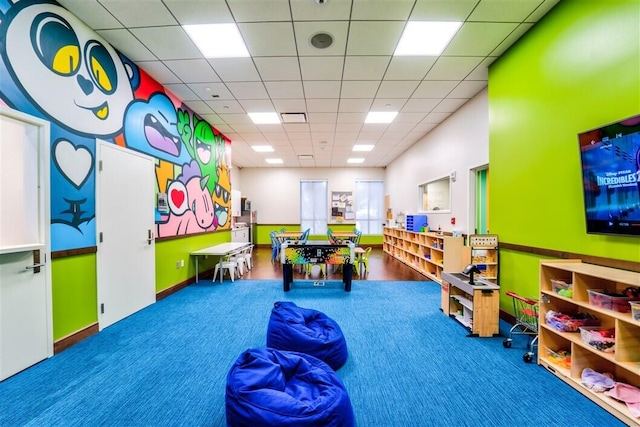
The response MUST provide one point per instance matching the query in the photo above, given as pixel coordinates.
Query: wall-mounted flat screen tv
(610, 158)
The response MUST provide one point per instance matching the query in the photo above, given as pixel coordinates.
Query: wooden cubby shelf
(428, 253)
(623, 363)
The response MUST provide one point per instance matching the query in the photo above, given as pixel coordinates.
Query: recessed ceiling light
(274, 161)
(355, 160)
(381, 116)
(264, 118)
(426, 38)
(362, 147)
(207, 38)
(262, 148)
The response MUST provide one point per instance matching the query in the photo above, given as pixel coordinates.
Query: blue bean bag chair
(307, 331)
(269, 387)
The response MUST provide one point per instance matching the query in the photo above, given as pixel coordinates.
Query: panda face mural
(72, 75)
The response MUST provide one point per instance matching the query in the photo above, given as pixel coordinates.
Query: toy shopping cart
(526, 312)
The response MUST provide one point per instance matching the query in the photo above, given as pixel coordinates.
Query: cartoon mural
(53, 66)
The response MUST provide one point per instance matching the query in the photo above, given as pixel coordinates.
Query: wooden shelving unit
(624, 363)
(484, 254)
(428, 253)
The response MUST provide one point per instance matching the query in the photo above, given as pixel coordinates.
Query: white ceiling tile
(503, 10)
(199, 107)
(453, 67)
(158, 71)
(346, 137)
(290, 105)
(478, 38)
(182, 91)
(226, 107)
(322, 89)
(374, 37)
(308, 10)
(468, 89)
(248, 90)
(211, 91)
(269, 38)
(442, 10)
(348, 127)
(257, 105)
(449, 105)
(352, 117)
(359, 89)
(388, 104)
(322, 117)
(235, 69)
(283, 90)
(321, 67)
(435, 118)
(91, 13)
(381, 10)
(412, 118)
(481, 72)
(278, 68)
(263, 10)
(167, 42)
(322, 128)
(213, 119)
(127, 44)
(200, 11)
(434, 89)
(139, 13)
(545, 7)
(193, 70)
(397, 89)
(355, 105)
(420, 105)
(306, 30)
(409, 67)
(365, 67)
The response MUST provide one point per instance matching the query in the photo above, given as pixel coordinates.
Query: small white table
(218, 250)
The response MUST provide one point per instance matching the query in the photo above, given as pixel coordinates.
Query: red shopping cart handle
(527, 300)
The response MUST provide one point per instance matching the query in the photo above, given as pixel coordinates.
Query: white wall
(275, 192)
(460, 144)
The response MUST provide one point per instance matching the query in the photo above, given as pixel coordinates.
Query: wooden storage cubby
(484, 254)
(428, 253)
(624, 363)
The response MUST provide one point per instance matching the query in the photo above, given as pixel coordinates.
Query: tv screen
(610, 158)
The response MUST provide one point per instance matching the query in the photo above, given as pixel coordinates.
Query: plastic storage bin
(610, 301)
(560, 358)
(562, 288)
(416, 222)
(599, 338)
(570, 322)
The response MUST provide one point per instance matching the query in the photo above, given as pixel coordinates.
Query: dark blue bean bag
(307, 331)
(269, 387)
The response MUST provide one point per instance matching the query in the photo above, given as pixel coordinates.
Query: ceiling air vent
(293, 117)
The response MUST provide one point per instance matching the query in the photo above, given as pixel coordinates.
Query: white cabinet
(236, 202)
(240, 234)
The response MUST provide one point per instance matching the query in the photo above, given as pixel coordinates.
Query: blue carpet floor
(408, 365)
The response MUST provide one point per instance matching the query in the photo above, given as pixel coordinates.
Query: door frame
(44, 180)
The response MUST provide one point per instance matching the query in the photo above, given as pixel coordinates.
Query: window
(369, 201)
(313, 206)
(435, 196)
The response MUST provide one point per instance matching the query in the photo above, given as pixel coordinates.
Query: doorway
(125, 203)
(26, 323)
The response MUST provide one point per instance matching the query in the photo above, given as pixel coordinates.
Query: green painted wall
(168, 252)
(75, 294)
(577, 69)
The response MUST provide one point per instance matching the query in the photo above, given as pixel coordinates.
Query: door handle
(150, 237)
(34, 266)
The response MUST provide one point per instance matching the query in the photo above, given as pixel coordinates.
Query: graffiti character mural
(53, 66)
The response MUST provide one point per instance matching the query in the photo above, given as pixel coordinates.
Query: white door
(26, 326)
(125, 203)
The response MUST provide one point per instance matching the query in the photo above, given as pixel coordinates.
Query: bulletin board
(342, 206)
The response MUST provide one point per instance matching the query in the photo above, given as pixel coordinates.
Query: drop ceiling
(334, 87)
